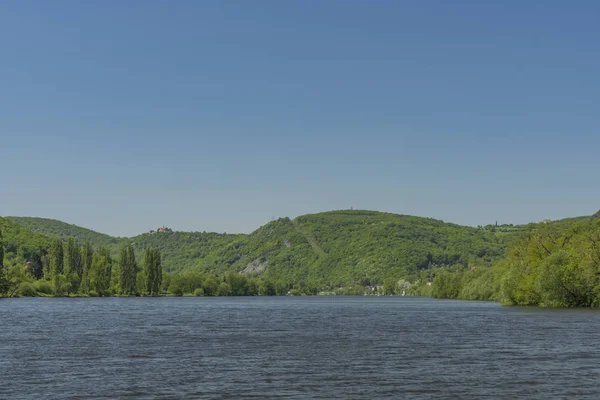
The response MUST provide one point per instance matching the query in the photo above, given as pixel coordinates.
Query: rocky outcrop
(256, 266)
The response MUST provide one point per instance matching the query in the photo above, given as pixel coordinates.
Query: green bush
(27, 290)
(43, 287)
(93, 293)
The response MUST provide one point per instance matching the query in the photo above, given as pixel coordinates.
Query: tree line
(69, 268)
(553, 264)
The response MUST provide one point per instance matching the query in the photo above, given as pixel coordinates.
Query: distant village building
(161, 229)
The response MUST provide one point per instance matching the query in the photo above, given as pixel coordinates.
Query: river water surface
(294, 348)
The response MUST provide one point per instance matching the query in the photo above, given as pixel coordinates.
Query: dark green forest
(337, 252)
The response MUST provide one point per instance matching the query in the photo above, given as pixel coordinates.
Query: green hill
(548, 263)
(180, 250)
(22, 242)
(329, 249)
(354, 247)
(55, 228)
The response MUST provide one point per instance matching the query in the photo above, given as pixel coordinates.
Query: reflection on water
(294, 347)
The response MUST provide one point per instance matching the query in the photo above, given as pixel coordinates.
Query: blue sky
(220, 115)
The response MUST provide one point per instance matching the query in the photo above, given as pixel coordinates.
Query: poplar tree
(56, 258)
(1, 251)
(105, 252)
(87, 254)
(73, 264)
(100, 272)
(153, 271)
(158, 269)
(3, 279)
(129, 271)
(123, 288)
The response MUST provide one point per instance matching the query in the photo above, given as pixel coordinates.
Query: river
(294, 348)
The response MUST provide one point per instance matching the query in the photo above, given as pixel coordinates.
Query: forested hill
(63, 230)
(179, 250)
(355, 247)
(330, 249)
(21, 242)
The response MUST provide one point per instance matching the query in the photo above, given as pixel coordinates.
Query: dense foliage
(179, 250)
(64, 231)
(326, 251)
(340, 252)
(353, 249)
(22, 242)
(344, 252)
(553, 264)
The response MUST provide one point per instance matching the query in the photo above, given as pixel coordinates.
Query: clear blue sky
(123, 116)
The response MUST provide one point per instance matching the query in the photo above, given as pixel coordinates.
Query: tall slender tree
(105, 252)
(153, 271)
(100, 272)
(56, 258)
(87, 254)
(3, 277)
(1, 251)
(37, 264)
(128, 271)
(73, 264)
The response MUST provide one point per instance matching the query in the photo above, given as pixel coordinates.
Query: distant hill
(180, 250)
(63, 230)
(340, 247)
(333, 248)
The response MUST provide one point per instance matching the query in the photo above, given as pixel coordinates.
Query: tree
(17, 276)
(60, 284)
(56, 258)
(73, 267)
(238, 284)
(100, 272)
(87, 255)
(224, 289)
(267, 288)
(389, 286)
(210, 285)
(128, 271)
(36, 264)
(1, 251)
(3, 277)
(153, 271)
